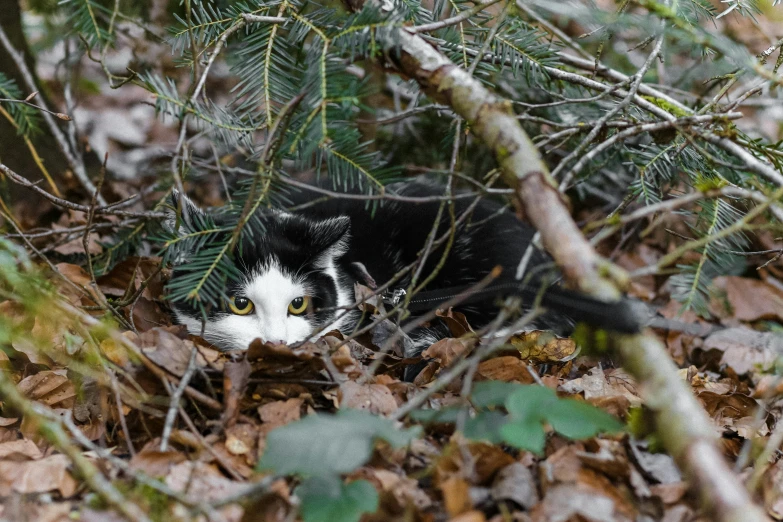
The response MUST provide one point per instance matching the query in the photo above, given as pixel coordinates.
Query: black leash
(426, 301)
(622, 316)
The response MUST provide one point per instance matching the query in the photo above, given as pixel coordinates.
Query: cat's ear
(190, 211)
(331, 237)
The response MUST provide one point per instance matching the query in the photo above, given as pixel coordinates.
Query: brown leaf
(746, 350)
(235, 379)
(657, 466)
(577, 502)
(403, 489)
(488, 459)
(280, 413)
(242, 439)
(641, 257)
(156, 463)
(729, 406)
(469, 516)
(607, 457)
(269, 356)
(37, 476)
(375, 398)
(565, 471)
(456, 497)
(51, 388)
(772, 490)
(456, 321)
(128, 276)
(598, 385)
(507, 368)
(446, 351)
(23, 509)
(204, 483)
(670, 493)
(751, 299)
(22, 449)
(515, 482)
(166, 349)
(344, 361)
(540, 346)
(148, 314)
(74, 273)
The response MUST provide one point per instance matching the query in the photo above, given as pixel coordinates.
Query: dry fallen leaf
(539, 346)
(507, 368)
(515, 482)
(156, 463)
(280, 413)
(448, 350)
(403, 489)
(750, 299)
(746, 350)
(455, 494)
(375, 398)
(597, 384)
(37, 476)
(52, 388)
(166, 349)
(21, 449)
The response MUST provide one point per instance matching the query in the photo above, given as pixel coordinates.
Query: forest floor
(201, 424)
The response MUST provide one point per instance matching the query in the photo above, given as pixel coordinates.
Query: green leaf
(329, 500)
(530, 407)
(327, 445)
(444, 415)
(487, 426)
(530, 402)
(526, 434)
(580, 420)
(486, 394)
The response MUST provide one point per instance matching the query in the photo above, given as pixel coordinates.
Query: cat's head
(290, 285)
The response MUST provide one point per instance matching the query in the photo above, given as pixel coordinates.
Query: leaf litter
(309, 431)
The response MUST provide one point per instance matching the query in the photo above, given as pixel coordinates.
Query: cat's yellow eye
(240, 305)
(299, 305)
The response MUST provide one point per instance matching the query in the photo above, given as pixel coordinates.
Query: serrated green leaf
(329, 500)
(342, 443)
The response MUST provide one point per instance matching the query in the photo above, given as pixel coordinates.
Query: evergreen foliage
(321, 55)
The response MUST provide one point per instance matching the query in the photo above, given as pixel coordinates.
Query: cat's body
(309, 260)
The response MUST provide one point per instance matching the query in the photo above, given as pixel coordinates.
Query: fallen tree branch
(682, 424)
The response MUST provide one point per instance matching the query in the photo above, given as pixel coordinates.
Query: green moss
(668, 107)
(705, 183)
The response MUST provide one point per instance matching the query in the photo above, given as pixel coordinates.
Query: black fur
(376, 243)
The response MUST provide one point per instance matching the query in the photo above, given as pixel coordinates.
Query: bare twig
(454, 20)
(73, 161)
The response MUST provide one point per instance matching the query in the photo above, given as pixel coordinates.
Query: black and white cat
(300, 268)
